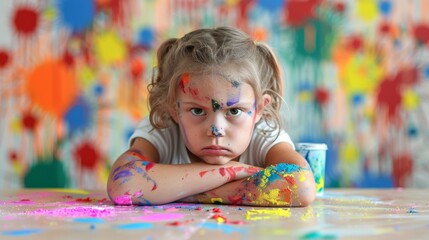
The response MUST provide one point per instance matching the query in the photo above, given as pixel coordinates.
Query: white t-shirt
(171, 147)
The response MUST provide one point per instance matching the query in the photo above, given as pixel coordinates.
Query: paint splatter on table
(339, 214)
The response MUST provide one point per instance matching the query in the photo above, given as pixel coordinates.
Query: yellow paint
(264, 214)
(232, 2)
(86, 76)
(109, 48)
(272, 196)
(410, 100)
(50, 13)
(367, 10)
(69, 190)
(301, 177)
(220, 220)
(305, 96)
(362, 75)
(214, 200)
(264, 177)
(349, 153)
(16, 126)
(320, 184)
(308, 214)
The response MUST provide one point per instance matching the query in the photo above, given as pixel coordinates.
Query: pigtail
(271, 82)
(159, 85)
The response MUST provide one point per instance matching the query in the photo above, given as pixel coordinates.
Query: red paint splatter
(421, 33)
(321, 95)
(154, 187)
(68, 59)
(236, 200)
(137, 68)
(4, 59)
(86, 155)
(355, 43)
(25, 20)
(29, 121)
(216, 210)
(13, 156)
(149, 165)
(389, 92)
(339, 7)
(178, 223)
(298, 12)
(384, 28)
(222, 171)
(84, 199)
(290, 180)
(402, 168)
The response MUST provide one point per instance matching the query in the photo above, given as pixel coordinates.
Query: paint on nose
(216, 132)
(215, 105)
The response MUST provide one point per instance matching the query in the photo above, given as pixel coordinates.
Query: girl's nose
(217, 128)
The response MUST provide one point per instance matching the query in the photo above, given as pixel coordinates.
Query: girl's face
(216, 117)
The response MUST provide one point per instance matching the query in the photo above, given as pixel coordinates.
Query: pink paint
(76, 212)
(161, 217)
(123, 200)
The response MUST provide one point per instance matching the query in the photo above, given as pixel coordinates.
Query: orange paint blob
(52, 86)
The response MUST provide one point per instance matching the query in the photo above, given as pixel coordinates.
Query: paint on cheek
(215, 105)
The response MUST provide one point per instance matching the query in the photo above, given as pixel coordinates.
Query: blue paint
(225, 228)
(426, 71)
(77, 15)
(357, 99)
(98, 90)
(88, 220)
(78, 117)
(135, 226)
(215, 131)
(271, 5)
(122, 174)
(146, 37)
(385, 7)
(22, 232)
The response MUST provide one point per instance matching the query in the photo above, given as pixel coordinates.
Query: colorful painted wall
(73, 77)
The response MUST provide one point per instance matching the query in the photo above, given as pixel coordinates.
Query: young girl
(214, 132)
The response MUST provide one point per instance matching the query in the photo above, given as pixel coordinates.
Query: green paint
(46, 173)
(317, 235)
(216, 106)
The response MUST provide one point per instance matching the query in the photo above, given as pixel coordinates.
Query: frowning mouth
(216, 150)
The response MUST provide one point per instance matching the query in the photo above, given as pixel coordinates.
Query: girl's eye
(197, 112)
(234, 112)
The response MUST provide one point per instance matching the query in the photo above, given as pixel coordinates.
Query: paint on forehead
(215, 105)
(184, 81)
(235, 83)
(232, 101)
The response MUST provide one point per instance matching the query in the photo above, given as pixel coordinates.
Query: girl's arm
(137, 177)
(287, 180)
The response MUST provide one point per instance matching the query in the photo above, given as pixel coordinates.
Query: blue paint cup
(315, 154)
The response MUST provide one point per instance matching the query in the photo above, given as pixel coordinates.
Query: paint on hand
(274, 172)
(215, 105)
(216, 200)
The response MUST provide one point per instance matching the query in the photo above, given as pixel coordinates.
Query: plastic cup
(315, 154)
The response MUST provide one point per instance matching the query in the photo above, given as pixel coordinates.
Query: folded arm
(137, 179)
(287, 180)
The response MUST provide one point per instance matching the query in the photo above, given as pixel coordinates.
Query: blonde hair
(225, 51)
